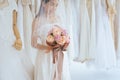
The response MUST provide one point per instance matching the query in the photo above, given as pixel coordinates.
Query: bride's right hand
(47, 49)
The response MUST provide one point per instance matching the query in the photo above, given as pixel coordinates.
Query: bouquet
(58, 38)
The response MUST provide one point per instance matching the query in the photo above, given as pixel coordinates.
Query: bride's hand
(18, 44)
(47, 49)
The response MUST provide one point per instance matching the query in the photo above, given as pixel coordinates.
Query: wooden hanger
(18, 42)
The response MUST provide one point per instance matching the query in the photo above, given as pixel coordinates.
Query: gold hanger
(18, 42)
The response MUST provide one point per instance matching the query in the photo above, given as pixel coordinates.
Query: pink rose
(61, 40)
(56, 31)
(64, 33)
(50, 39)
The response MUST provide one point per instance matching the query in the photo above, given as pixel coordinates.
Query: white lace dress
(44, 67)
(10, 63)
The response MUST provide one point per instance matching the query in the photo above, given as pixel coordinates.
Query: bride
(48, 16)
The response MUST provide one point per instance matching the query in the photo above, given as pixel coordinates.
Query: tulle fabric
(84, 32)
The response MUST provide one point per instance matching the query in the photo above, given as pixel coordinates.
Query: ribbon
(58, 60)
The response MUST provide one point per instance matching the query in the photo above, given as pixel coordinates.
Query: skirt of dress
(44, 67)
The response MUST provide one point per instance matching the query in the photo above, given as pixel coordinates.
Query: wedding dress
(11, 67)
(105, 56)
(117, 26)
(92, 42)
(24, 56)
(84, 32)
(44, 66)
(117, 30)
(27, 27)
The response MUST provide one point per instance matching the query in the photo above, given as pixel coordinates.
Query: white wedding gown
(44, 67)
(92, 42)
(11, 67)
(105, 53)
(73, 18)
(25, 55)
(84, 32)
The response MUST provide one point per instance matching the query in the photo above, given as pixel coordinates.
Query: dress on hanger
(105, 53)
(24, 56)
(117, 30)
(10, 63)
(84, 32)
(92, 42)
(27, 27)
(72, 26)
